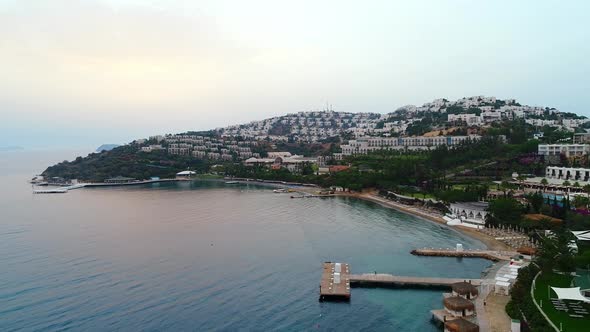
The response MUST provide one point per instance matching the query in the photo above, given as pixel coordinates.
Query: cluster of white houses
(365, 145)
(204, 147)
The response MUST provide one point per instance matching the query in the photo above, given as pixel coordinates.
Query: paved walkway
(496, 312)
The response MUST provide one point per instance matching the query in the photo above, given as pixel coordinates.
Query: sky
(77, 73)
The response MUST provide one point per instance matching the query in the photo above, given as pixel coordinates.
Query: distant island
(106, 147)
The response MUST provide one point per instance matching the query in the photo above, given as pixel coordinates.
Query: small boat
(231, 182)
(280, 191)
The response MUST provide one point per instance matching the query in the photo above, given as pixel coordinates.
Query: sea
(205, 256)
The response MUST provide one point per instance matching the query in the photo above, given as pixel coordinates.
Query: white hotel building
(569, 150)
(365, 145)
(567, 173)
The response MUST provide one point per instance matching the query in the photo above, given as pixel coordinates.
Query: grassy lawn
(541, 294)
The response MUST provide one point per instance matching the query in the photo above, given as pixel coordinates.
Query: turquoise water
(206, 256)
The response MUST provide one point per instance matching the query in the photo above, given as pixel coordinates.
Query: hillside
(322, 134)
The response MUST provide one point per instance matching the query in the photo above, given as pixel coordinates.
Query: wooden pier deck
(487, 254)
(389, 280)
(335, 283)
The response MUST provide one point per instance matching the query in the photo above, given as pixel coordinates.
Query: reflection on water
(208, 256)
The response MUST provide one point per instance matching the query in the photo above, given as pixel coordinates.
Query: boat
(280, 191)
(231, 182)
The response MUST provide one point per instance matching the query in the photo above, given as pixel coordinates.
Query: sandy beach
(490, 242)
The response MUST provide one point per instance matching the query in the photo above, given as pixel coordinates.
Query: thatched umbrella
(465, 289)
(461, 325)
(530, 251)
(457, 303)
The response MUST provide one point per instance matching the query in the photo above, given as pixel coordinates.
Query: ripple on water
(205, 256)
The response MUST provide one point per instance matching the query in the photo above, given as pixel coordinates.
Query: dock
(50, 191)
(335, 283)
(337, 280)
(392, 281)
(486, 254)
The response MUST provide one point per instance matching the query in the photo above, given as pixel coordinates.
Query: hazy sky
(86, 72)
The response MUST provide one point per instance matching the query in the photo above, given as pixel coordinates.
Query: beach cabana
(458, 306)
(465, 290)
(460, 325)
(502, 287)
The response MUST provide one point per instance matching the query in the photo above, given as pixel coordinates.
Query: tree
(505, 210)
(544, 182)
(586, 189)
(536, 201)
(555, 251)
(567, 183)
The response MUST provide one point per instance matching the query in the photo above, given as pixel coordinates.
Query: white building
(470, 214)
(567, 173)
(365, 145)
(471, 119)
(581, 138)
(569, 150)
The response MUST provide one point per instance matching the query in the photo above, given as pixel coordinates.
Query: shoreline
(489, 242)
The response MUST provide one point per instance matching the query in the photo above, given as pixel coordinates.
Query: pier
(392, 281)
(335, 284)
(337, 280)
(487, 254)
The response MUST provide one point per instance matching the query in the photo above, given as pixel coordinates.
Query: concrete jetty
(492, 255)
(337, 280)
(389, 280)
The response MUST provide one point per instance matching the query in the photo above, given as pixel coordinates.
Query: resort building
(469, 119)
(465, 290)
(582, 138)
(293, 163)
(460, 325)
(458, 306)
(365, 145)
(470, 214)
(567, 173)
(568, 150)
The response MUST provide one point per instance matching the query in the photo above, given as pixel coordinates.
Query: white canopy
(582, 235)
(572, 293)
(502, 283)
(186, 173)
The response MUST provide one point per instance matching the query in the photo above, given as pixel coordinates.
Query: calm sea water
(204, 256)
